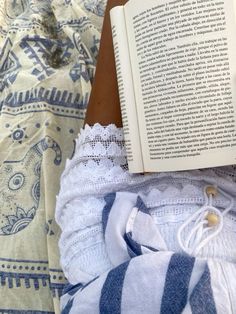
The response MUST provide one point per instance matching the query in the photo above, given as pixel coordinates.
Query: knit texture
(98, 168)
(146, 276)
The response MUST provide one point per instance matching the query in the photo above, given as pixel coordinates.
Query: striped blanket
(147, 278)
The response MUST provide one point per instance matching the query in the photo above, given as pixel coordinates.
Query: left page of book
(126, 90)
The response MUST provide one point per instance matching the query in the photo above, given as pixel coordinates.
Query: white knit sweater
(99, 167)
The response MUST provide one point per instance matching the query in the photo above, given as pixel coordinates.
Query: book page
(126, 90)
(184, 64)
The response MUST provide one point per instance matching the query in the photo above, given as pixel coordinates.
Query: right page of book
(183, 55)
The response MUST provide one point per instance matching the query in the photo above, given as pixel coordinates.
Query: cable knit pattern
(99, 167)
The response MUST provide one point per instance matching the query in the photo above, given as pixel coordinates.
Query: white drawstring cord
(196, 239)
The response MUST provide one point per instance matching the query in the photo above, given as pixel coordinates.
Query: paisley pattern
(95, 6)
(23, 177)
(9, 65)
(19, 221)
(48, 52)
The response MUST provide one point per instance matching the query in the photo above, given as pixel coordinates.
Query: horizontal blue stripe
(22, 260)
(57, 289)
(13, 311)
(54, 96)
(32, 111)
(24, 275)
(57, 285)
(55, 270)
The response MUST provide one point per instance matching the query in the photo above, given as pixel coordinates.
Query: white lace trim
(104, 146)
(97, 143)
(99, 166)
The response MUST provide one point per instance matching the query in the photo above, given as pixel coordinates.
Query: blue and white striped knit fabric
(147, 278)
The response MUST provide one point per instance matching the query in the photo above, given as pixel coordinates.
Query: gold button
(212, 219)
(211, 190)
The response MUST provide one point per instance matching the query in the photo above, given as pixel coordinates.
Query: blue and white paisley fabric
(48, 52)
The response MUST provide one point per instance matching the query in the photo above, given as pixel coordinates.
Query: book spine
(126, 90)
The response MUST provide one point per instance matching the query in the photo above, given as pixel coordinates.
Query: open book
(176, 69)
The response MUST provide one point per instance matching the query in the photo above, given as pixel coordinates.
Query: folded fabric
(146, 277)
